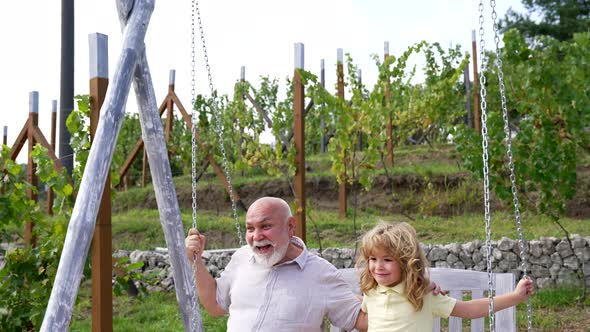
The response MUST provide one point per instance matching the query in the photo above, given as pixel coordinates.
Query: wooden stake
(31, 167)
(476, 113)
(299, 132)
(102, 271)
(52, 142)
(342, 199)
(389, 127)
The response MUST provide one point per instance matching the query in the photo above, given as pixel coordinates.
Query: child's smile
(384, 268)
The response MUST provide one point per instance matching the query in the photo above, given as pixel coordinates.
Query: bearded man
(274, 283)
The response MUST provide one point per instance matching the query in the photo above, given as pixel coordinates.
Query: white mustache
(262, 243)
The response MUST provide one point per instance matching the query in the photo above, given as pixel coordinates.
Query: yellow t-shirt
(389, 310)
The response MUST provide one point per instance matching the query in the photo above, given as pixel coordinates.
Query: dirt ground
(396, 196)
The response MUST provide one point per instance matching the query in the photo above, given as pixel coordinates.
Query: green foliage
(559, 19)
(548, 103)
(26, 279)
(14, 204)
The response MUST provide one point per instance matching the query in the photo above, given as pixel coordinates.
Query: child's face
(384, 268)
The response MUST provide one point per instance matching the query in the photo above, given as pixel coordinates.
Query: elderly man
(274, 283)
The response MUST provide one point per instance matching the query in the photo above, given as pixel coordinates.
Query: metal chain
(218, 128)
(486, 181)
(195, 321)
(523, 254)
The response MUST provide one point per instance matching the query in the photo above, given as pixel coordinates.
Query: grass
(140, 229)
(159, 312)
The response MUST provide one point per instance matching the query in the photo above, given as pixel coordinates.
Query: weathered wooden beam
(155, 145)
(82, 223)
(299, 138)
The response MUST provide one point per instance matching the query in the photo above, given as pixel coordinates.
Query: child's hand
(524, 288)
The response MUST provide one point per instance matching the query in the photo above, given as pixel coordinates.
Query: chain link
(486, 181)
(219, 128)
(523, 254)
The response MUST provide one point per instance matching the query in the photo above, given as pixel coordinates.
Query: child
(394, 282)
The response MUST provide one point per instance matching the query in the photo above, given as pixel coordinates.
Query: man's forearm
(207, 289)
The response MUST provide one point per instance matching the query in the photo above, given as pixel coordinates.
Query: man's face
(268, 234)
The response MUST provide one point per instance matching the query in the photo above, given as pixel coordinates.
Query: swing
(457, 281)
(196, 323)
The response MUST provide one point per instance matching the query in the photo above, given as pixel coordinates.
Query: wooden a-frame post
(299, 132)
(342, 201)
(101, 252)
(32, 134)
(170, 100)
(5, 137)
(132, 65)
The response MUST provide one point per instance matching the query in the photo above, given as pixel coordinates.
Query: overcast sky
(257, 34)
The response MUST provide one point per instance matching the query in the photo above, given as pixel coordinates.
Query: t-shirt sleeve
(225, 281)
(364, 305)
(343, 305)
(442, 305)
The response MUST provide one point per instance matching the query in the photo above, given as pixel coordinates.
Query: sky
(257, 34)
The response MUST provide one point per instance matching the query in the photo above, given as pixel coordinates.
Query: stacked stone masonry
(551, 261)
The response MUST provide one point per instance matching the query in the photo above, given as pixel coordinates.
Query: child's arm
(479, 308)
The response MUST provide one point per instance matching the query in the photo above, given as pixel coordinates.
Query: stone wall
(551, 260)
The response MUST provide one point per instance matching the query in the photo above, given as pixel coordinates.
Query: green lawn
(553, 309)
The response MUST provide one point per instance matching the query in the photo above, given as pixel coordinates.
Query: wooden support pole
(476, 113)
(359, 77)
(83, 220)
(467, 83)
(31, 167)
(52, 143)
(324, 139)
(170, 106)
(5, 137)
(342, 200)
(389, 127)
(102, 271)
(299, 132)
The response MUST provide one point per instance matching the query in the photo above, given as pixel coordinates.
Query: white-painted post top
(359, 74)
(243, 73)
(5, 130)
(340, 55)
(99, 55)
(54, 106)
(386, 47)
(472, 35)
(34, 102)
(322, 65)
(171, 77)
(299, 50)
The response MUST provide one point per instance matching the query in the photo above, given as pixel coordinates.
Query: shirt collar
(299, 260)
(399, 288)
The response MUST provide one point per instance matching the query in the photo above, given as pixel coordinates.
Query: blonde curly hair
(400, 241)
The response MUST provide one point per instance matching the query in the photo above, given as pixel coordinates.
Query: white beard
(268, 260)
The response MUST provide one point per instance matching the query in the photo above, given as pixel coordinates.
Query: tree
(559, 19)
